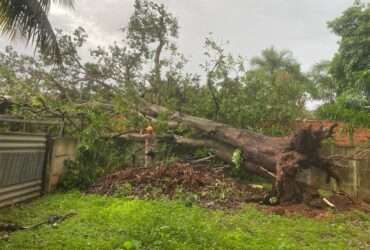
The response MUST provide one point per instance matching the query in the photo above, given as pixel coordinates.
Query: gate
(22, 166)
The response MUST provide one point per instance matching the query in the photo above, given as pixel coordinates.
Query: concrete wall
(61, 149)
(355, 174)
(364, 179)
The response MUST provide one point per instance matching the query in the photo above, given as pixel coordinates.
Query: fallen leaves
(203, 184)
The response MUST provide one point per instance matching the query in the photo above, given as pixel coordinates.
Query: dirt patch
(341, 201)
(298, 209)
(202, 184)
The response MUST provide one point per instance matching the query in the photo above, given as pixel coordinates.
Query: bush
(94, 160)
(349, 108)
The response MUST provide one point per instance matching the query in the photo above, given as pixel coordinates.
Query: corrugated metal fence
(22, 166)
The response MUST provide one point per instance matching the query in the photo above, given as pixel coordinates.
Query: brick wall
(344, 134)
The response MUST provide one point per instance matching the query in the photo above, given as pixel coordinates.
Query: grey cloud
(249, 25)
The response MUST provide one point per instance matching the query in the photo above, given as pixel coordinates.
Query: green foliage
(266, 98)
(201, 152)
(153, 20)
(278, 90)
(96, 156)
(123, 190)
(326, 86)
(94, 159)
(351, 64)
(343, 83)
(115, 223)
(131, 245)
(151, 34)
(161, 124)
(237, 158)
(348, 107)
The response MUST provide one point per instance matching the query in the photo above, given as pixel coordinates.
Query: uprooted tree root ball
(303, 152)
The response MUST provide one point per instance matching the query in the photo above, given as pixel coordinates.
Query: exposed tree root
(302, 153)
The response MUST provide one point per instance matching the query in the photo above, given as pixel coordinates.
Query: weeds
(115, 223)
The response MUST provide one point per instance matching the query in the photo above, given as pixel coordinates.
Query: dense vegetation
(344, 82)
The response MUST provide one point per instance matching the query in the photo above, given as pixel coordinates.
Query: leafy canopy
(351, 64)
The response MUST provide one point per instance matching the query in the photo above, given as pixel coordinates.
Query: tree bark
(279, 157)
(258, 149)
(222, 151)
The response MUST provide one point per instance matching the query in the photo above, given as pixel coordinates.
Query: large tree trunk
(282, 158)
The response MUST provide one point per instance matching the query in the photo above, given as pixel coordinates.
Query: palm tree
(273, 60)
(29, 19)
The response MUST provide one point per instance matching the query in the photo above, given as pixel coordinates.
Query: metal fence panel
(22, 162)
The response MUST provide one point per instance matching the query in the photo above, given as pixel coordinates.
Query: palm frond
(29, 19)
(65, 3)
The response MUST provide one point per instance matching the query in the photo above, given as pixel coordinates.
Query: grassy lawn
(112, 223)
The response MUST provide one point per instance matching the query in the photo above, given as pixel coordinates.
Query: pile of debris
(199, 183)
(208, 187)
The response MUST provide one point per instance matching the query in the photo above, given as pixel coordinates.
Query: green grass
(113, 223)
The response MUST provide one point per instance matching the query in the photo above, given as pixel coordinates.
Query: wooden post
(148, 146)
(333, 184)
(356, 178)
(147, 158)
(311, 178)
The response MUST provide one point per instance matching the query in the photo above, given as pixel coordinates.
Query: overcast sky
(249, 25)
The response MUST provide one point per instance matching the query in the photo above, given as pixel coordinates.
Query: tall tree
(151, 31)
(29, 19)
(351, 64)
(280, 88)
(273, 61)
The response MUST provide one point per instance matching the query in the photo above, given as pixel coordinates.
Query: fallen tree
(278, 158)
(281, 159)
